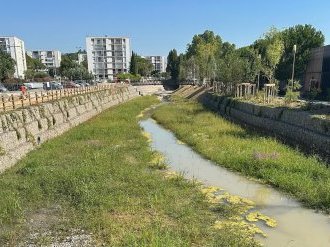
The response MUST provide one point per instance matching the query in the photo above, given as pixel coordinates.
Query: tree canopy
(34, 64)
(173, 64)
(71, 69)
(7, 66)
(306, 37)
(271, 56)
(140, 65)
(271, 48)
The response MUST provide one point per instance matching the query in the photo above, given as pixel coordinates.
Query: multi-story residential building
(108, 56)
(15, 47)
(51, 59)
(82, 57)
(159, 62)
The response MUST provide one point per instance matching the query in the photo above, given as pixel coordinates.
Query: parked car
(13, 86)
(34, 85)
(3, 88)
(70, 84)
(53, 85)
(82, 83)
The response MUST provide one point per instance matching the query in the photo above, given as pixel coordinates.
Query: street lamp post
(258, 83)
(294, 60)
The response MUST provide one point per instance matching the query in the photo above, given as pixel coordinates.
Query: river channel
(297, 226)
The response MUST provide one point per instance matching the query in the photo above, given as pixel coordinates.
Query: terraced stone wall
(298, 126)
(24, 129)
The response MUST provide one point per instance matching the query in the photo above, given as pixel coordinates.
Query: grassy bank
(246, 151)
(95, 184)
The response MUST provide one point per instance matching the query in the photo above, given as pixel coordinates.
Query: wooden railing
(15, 101)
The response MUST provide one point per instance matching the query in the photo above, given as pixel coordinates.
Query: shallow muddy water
(297, 226)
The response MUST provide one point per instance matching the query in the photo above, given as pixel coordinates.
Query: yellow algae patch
(180, 142)
(140, 115)
(213, 199)
(210, 194)
(157, 158)
(232, 199)
(147, 135)
(256, 216)
(158, 161)
(248, 228)
(210, 189)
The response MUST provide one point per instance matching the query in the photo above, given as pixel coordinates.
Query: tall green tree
(231, 68)
(144, 66)
(251, 63)
(133, 65)
(7, 66)
(173, 64)
(71, 69)
(140, 65)
(306, 37)
(206, 48)
(271, 48)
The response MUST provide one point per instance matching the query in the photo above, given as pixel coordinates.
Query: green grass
(97, 178)
(248, 152)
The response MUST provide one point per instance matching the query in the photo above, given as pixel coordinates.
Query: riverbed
(297, 226)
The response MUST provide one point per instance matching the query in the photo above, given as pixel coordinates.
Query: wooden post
(22, 100)
(36, 94)
(29, 98)
(3, 103)
(13, 101)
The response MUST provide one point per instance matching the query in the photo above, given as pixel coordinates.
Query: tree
(271, 48)
(231, 68)
(133, 69)
(173, 64)
(251, 63)
(140, 65)
(85, 64)
(205, 48)
(144, 66)
(7, 66)
(72, 70)
(34, 64)
(306, 37)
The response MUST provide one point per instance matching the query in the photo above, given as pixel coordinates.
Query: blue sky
(154, 26)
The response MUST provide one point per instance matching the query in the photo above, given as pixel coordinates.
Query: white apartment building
(108, 56)
(82, 57)
(15, 47)
(51, 59)
(159, 62)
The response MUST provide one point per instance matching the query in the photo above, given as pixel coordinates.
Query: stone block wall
(24, 129)
(297, 126)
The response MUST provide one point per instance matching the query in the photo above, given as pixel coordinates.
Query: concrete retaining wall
(23, 130)
(297, 126)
